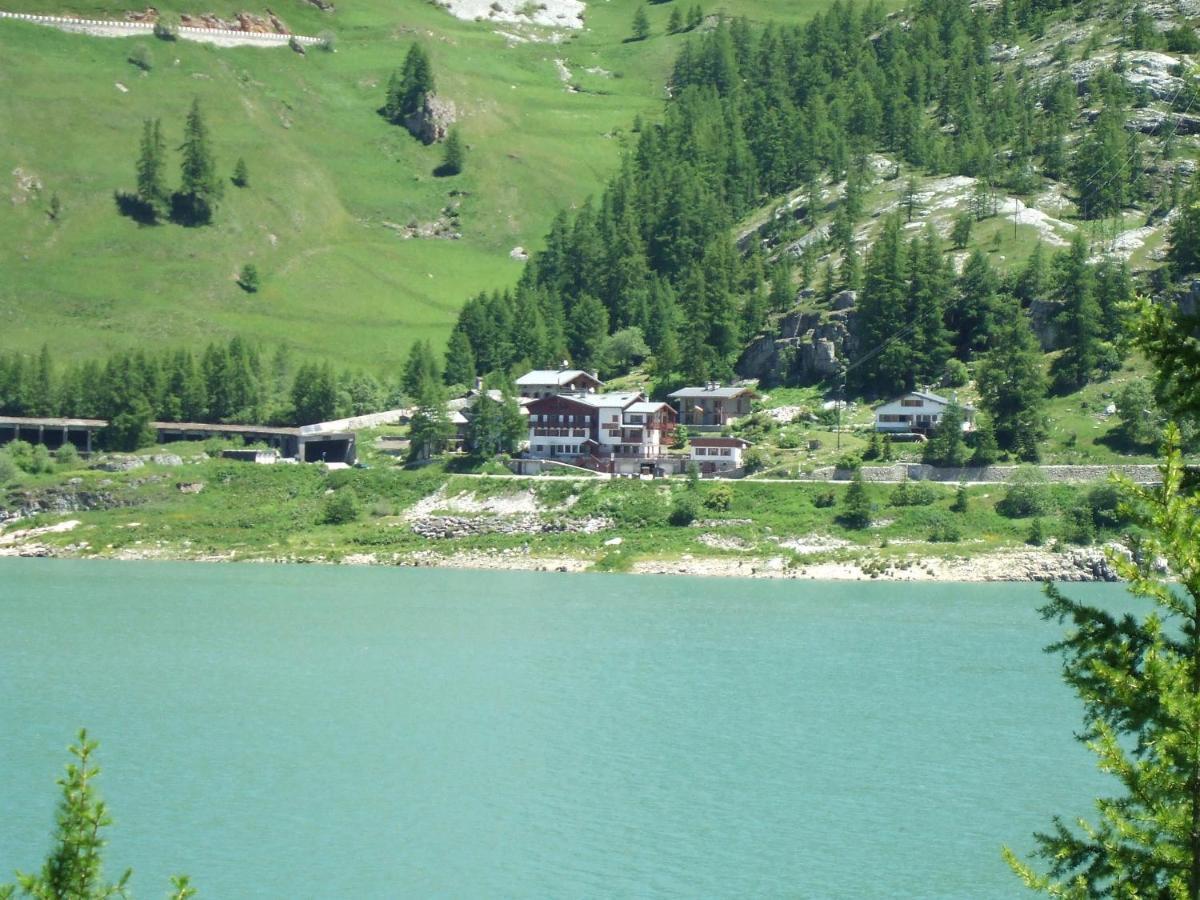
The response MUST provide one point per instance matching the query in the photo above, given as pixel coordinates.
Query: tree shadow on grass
(134, 207)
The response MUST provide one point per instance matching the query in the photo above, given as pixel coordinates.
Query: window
(911, 402)
(725, 451)
(616, 418)
(539, 448)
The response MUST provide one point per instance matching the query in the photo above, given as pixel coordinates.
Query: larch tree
(199, 186)
(151, 184)
(1012, 385)
(1138, 677)
(74, 868)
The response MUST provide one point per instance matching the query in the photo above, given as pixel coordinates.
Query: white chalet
(549, 382)
(717, 454)
(918, 412)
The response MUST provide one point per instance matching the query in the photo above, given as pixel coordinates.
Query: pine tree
(452, 157)
(675, 21)
(241, 175)
(856, 508)
(1106, 165)
(946, 446)
(460, 360)
(641, 24)
(1012, 386)
(408, 88)
(151, 184)
(74, 868)
(1079, 320)
(199, 187)
(430, 428)
(1138, 678)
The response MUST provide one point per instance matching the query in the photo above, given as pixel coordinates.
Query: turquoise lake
(304, 731)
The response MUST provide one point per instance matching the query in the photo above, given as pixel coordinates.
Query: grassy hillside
(332, 184)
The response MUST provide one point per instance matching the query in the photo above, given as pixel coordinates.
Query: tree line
(233, 382)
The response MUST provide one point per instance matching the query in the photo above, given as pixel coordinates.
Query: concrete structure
(52, 432)
(717, 454)
(712, 406)
(549, 382)
(918, 412)
(262, 457)
(303, 444)
(597, 430)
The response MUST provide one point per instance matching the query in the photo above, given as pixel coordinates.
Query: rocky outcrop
(805, 346)
(446, 527)
(58, 501)
(431, 123)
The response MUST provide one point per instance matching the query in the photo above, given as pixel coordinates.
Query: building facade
(596, 428)
(918, 412)
(712, 406)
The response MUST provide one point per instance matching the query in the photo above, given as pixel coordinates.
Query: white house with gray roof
(918, 412)
(549, 382)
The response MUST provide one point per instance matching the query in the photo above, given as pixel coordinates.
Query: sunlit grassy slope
(331, 182)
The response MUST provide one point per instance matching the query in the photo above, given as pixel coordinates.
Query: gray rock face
(119, 464)
(432, 123)
(807, 346)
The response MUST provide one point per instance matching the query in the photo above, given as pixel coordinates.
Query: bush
(1079, 526)
(66, 455)
(719, 498)
(1037, 533)
(754, 460)
(944, 531)
(956, 374)
(683, 510)
(850, 461)
(340, 508)
(8, 469)
(141, 57)
(1183, 39)
(960, 500)
(166, 29)
(1026, 496)
(248, 279)
(825, 500)
(913, 493)
(856, 512)
(328, 41)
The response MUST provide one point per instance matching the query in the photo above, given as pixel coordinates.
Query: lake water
(296, 732)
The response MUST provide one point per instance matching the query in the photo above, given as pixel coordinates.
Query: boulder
(432, 122)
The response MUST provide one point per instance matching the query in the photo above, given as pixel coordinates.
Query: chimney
(563, 365)
(478, 384)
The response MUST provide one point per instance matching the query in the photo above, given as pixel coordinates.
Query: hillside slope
(333, 186)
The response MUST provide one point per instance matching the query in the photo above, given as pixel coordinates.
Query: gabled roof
(931, 397)
(556, 377)
(723, 393)
(647, 406)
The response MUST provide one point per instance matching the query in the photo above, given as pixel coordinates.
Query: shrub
(340, 508)
(1079, 527)
(960, 500)
(825, 499)
(754, 460)
(849, 461)
(956, 374)
(1037, 533)
(1103, 503)
(913, 493)
(719, 498)
(1026, 496)
(248, 278)
(328, 42)
(141, 57)
(241, 174)
(1183, 39)
(856, 512)
(944, 531)
(8, 469)
(683, 510)
(66, 455)
(166, 29)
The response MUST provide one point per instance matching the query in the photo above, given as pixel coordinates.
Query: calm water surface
(367, 733)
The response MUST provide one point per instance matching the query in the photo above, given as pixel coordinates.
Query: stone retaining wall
(1142, 474)
(116, 28)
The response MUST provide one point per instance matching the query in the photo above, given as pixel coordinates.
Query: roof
(613, 398)
(930, 396)
(720, 442)
(557, 377)
(647, 406)
(723, 393)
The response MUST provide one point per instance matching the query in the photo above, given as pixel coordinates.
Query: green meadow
(332, 185)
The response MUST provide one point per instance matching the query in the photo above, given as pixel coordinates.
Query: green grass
(329, 178)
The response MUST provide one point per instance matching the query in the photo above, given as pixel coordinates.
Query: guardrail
(148, 27)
